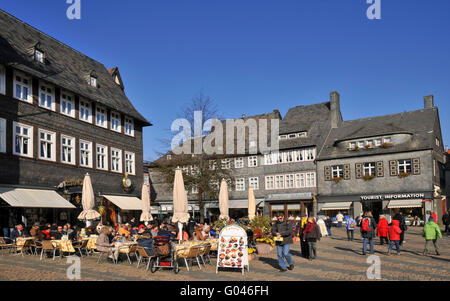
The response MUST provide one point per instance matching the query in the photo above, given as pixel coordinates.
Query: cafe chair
(109, 252)
(130, 250)
(5, 246)
(81, 246)
(204, 253)
(47, 247)
(143, 256)
(36, 245)
(189, 255)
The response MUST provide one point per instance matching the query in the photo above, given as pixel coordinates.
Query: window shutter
(2, 135)
(393, 168)
(347, 172)
(380, 169)
(327, 173)
(416, 166)
(358, 170)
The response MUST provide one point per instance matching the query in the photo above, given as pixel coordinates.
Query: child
(431, 232)
(394, 236)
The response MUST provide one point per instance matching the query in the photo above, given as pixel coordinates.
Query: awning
(125, 202)
(243, 204)
(33, 198)
(337, 206)
(405, 203)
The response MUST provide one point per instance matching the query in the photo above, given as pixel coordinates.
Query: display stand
(232, 251)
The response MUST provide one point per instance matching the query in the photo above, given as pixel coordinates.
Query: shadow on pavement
(270, 261)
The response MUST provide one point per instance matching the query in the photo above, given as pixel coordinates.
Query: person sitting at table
(198, 236)
(53, 230)
(123, 230)
(90, 231)
(58, 234)
(17, 232)
(36, 233)
(164, 232)
(145, 240)
(104, 245)
(46, 232)
(155, 230)
(134, 230)
(205, 231)
(75, 234)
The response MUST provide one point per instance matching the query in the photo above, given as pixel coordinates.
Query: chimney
(428, 101)
(335, 108)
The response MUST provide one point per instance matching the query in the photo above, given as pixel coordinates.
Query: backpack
(352, 224)
(366, 225)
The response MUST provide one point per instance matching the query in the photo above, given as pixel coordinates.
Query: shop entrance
(375, 207)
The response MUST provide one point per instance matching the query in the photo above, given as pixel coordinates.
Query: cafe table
(20, 241)
(92, 242)
(65, 245)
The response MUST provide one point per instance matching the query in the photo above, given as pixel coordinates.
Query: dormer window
(38, 56)
(116, 122)
(129, 126)
(93, 81)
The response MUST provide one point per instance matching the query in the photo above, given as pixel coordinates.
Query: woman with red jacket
(382, 230)
(394, 236)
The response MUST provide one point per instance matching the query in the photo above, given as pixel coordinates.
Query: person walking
(368, 226)
(383, 230)
(350, 225)
(340, 219)
(328, 223)
(394, 236)
(401, 218)
(446, 221)
(299, 229)
(431, 232)
(282, 233)
(312, 235)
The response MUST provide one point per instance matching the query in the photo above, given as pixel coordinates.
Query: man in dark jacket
(368, 233)
(282, 232)
(446, 221)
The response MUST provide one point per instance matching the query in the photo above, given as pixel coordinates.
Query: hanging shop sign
(233, 249)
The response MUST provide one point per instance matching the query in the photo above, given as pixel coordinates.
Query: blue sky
(254, 56)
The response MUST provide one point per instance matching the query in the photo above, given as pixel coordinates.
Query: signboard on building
(400, 196)
(232, 251)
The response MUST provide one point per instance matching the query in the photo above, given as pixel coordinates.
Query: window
(240, 184)
(438, 142)
(387, 140)
(67, 104)
(115, 122)
(23, 140)
(100, 116)
(85, 111)
(169, 157)
(378, 142)
(434, 167)
(311, 179)
(67, 149)
(369, 169)
(337, 171)
(270, 182)
(279, 182)
(47, 97)
(129, 126)
(2, 135)
(369, 143)
(116, 160)
(38, 56)
(290, 181)
(300, 180)
(129, 163)
(352, 145)
(85, 153)
(252, 161)
(299, 155)
(360, 144)
(22, 87)
(47, 145)
(292, 136)
(310, 154)
(404, 166)
(253, 182)
(93, 81)
(279, 157)
(226, 163)
(238, 162)
(268, 159)
(102, 157)
(283, 137)
(303, 134)
(212, 165)
(2, 80)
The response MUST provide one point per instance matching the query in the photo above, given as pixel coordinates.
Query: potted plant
(251, 254)
(261, 227)
(368, 177)
(386, 144)
(354, 148)
(404, 174)
(221, 223)
(336, 179)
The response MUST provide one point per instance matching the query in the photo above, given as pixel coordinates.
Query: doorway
(375, 207)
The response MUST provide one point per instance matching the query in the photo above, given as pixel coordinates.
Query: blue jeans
(397, 245)
(283, 252)
(365, 244)
(5, 232)
(329, 231)
(339, 224)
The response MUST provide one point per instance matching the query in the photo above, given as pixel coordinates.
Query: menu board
(232, 250)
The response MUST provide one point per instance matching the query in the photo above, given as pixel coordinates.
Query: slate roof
(64, 66)
(314, 119)
(419, 123)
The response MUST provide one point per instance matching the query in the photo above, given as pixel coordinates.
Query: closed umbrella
(146, 216)
(223, 200)
(88, 201)
(180, 204)
(251, 204)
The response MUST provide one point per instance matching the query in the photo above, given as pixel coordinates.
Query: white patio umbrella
(180, 204)
(223, 200)
(146, 216)
(88, 201)
(251, 204)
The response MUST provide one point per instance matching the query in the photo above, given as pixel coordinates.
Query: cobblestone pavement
(338, 259)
